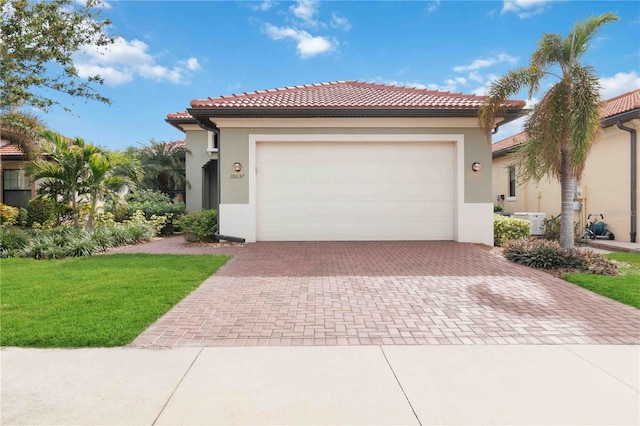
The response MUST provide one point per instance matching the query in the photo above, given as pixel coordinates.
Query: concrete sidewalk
(478, 384)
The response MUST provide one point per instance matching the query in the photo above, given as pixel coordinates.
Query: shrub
(552, 228)
(65, 241)
(546, 254)
(12, 240)
(8, 215)
(497, 208)
(151, 203)
(507, 228)
(199, 226)
(43, 210)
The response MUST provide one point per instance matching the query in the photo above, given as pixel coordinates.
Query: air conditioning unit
(536, 219)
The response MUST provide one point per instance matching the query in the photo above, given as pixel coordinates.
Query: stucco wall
(234, 147)
(196, 158)
(605, 182)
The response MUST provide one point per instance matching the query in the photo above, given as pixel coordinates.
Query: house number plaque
(237, 176)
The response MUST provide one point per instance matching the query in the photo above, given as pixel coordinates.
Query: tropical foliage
(562, 126)
(164, 165)
(39, 39)
(72, 170)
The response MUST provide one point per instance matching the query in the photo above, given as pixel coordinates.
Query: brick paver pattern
(371, 293)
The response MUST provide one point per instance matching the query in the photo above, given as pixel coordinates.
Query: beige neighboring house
(16, 189)
(609, 182)
(344, 160)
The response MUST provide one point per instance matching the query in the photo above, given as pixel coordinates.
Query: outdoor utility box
(536, 219)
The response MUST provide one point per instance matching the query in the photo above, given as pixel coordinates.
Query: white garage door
(355, 191)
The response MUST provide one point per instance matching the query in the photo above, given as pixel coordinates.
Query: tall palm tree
(22, 129)
(561, 128)
(164, 165)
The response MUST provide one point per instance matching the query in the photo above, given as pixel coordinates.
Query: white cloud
(123, 60)
(413, 84)
(308, 45)
(340, 22)
(483, 63)
(524, 8)
(618, 84)
(262, 6)
(306, 10)
(433, 6)
(110, 75)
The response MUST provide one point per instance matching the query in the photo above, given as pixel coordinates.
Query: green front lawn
(624, 288)
(93, 301)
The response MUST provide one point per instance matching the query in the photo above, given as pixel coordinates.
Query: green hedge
(199, 226)
(506, 228)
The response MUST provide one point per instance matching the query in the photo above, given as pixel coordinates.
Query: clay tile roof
(181, 142)
(179, 116)
(620, 104)
(348, 94)
(623, 103)
(506, 144)
(11, 150)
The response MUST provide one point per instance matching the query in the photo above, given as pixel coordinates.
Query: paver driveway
(361, 293)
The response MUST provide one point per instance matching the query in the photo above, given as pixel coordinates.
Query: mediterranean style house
(344, 160)
(609, 182)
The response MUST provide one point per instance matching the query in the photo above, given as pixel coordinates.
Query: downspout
(634, 180)
(207, 125)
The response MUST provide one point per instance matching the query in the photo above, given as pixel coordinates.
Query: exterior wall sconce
(476, 167)
(237, 166)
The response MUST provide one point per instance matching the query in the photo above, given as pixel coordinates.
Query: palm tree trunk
(74, 208)
(568, 185)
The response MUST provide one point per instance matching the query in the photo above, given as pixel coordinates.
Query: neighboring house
(342, 161)
(16, 189)
(606, 186)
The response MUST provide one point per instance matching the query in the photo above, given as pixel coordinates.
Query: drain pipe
(634, 168)
(207, 125)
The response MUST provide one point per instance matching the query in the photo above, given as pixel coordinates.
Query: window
(512, 181)
(16, 188)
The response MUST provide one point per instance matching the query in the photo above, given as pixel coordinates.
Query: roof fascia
(178, 122)
(624, 117)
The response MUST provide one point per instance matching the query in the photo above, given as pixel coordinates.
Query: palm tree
(107, 174)
(22, 129)
(561, 128)
(61, 169)
(164, 165)
(72, 168)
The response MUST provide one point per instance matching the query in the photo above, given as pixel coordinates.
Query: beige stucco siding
(234, 147)
(605, 183)
(197, 157)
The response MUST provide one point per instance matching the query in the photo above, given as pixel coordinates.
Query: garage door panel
(355, 191)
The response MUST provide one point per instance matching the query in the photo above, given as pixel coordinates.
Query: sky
(170, 52)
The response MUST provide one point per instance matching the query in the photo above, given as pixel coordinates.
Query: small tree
(39, 39)
(562, 126)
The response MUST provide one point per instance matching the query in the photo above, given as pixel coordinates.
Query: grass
(98, 301)
(624, 288)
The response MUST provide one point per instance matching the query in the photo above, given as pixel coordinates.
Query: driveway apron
(381, 293)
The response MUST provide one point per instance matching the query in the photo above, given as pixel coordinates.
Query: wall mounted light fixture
(237, 166)
(476, 166)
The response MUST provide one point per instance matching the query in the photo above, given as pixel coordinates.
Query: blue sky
(170, 52)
